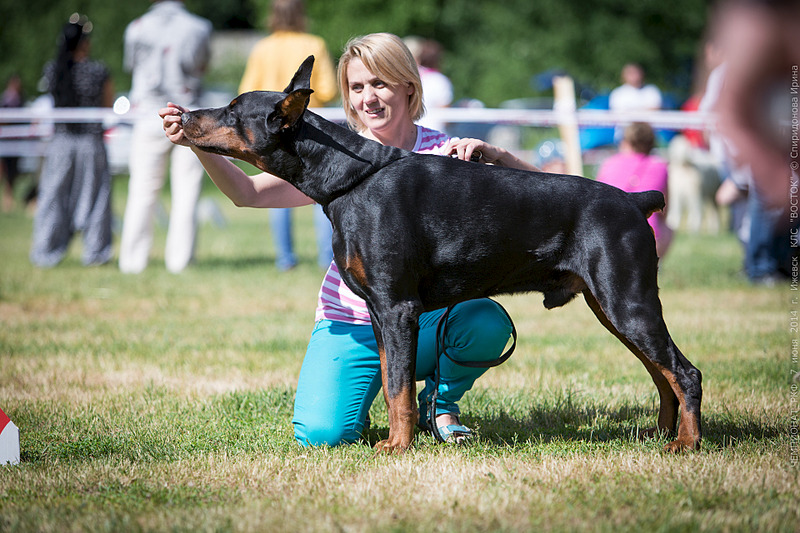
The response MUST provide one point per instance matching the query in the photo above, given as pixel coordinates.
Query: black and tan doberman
(413, 233)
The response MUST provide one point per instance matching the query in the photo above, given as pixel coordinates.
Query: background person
(635, 169)
(761, 49)
(75, 183)
(167, 51)
(437, 88)
(633, 94)
(271, 65)
(751, 40)
(340, 376)
(9, 166)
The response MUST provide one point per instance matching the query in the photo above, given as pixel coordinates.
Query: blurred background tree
(493, 50)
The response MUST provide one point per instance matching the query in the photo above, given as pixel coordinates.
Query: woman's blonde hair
(387, 57)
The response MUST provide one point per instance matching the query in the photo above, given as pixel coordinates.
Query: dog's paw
(682, 445)
(385, 447)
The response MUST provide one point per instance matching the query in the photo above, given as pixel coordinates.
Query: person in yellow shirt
(270, 67)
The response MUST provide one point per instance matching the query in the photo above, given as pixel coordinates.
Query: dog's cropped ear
(289, 110)
(301, 78)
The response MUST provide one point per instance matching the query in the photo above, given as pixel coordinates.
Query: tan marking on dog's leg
(403, 415)
(689, 429)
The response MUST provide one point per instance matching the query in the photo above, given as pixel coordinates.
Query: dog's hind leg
(668, 413)
(678, 382)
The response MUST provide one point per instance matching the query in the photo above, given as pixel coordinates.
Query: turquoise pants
(341, 376)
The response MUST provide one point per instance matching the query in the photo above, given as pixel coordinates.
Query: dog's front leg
(396, 331)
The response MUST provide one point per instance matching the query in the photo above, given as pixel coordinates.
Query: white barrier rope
(529, 117)
(20, 125)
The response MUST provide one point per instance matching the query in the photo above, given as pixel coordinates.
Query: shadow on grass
(545, 423)
(727, 430)
(589, 423)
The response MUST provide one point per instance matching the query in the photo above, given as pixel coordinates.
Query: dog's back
(487, 230)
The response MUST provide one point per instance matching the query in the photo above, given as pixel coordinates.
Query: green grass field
(163, 403)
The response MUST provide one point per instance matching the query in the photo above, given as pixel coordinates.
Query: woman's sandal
(452, 433)
(455, 433)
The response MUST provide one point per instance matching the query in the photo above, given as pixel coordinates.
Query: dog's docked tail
(648, 202)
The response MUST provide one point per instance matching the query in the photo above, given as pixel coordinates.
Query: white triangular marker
(9, 440)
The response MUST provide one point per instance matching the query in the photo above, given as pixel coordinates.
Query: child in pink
(634, 169)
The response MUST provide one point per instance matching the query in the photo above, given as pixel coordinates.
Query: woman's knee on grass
(325, 431)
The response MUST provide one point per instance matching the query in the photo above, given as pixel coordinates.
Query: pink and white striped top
(336, 301)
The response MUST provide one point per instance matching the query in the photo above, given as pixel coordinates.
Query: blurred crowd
(745, 167)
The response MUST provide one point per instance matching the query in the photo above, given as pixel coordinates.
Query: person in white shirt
(633, 94)
(167, 51)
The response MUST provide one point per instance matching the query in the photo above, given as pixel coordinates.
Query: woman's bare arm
(259, 190)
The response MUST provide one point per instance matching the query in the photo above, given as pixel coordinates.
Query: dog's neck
(330, 160)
